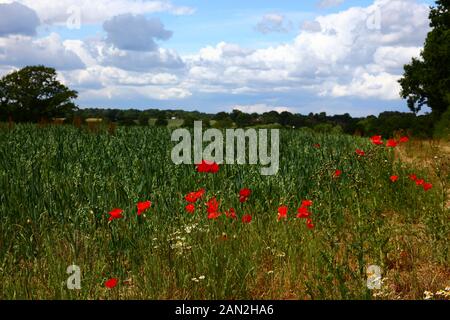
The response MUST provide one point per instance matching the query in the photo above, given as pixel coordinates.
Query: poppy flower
(394, 178)
(427, 186)
(190, 208)
(194, 196)
(360, 152)
(207, 167)
(213, 205)
(307, 203)
(246, 218)
(200, 193)
(420, 182)
(111, 283)
(244, 194)
(391, 143)
(310, 224)
(282, 212)
(413, 177)
(376, 140)
(337, 173)
(143, 206)
(214, 215)
(303, 212)
(403, 139)
(231, 214)
(316, 145)
(115, 214)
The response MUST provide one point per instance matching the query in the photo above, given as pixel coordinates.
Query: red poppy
(403, 139)
(307, 203)
(213, 205)
(360, 152)
(316, 145)
(391, 143)
(337, 173)
(394, 178)
(282, 212)
(310, 224)
(214, 215)
(244, 194)
(194, 196)
(231, 214)
(115, 214)
(190, 208)
(111, 283)
(303, 212)
(207, 166)
(246, 218)
(413, 177)
(376, 140)
(142, 206)
(420, 182)
(427, 186)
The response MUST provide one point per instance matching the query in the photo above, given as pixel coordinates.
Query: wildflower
(360, 152)
(115, 214)
(413, 177)
(317, 145)
(282, 212)
(190, 208)
(420, 182)
(307, 203)
(231, 214)
(111, 283)
(194, 196)
(244, 194)
(143, 206)
(201, 278)
(207, 167)
(391, 143)
(337, 173)
(403, 139)
(303, 212)
(246, 218)
(213, 205)
(394, 178)
(309, 224)
(376, 140)
(214, 215)
(427, 186)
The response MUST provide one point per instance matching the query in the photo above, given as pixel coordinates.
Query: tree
(33, 93)
(427, 80)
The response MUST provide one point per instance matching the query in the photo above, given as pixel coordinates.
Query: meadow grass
(58, 184)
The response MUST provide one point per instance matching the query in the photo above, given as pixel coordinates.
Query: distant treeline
(387, 123)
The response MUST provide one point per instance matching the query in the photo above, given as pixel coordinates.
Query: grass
(58, 184)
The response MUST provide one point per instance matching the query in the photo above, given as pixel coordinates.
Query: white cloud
(324, 4)
(57, 12)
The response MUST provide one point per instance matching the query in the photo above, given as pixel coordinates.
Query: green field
(58, 184)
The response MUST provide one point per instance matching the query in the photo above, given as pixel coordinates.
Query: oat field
(338, 205)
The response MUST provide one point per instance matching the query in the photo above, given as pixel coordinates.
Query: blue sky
(336, 56)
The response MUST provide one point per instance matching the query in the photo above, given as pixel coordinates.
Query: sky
(333, 56)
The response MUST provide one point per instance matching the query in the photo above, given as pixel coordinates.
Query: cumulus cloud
(135, 32)
(312, 26)
(57, 12)
(347, 56)
(17, 19)
(20, 51)
(273, 22)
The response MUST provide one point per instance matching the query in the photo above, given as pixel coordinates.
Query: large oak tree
(33, 93)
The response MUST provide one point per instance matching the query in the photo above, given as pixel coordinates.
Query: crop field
(310, 232)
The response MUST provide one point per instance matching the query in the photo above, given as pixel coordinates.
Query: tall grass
(59, 182)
